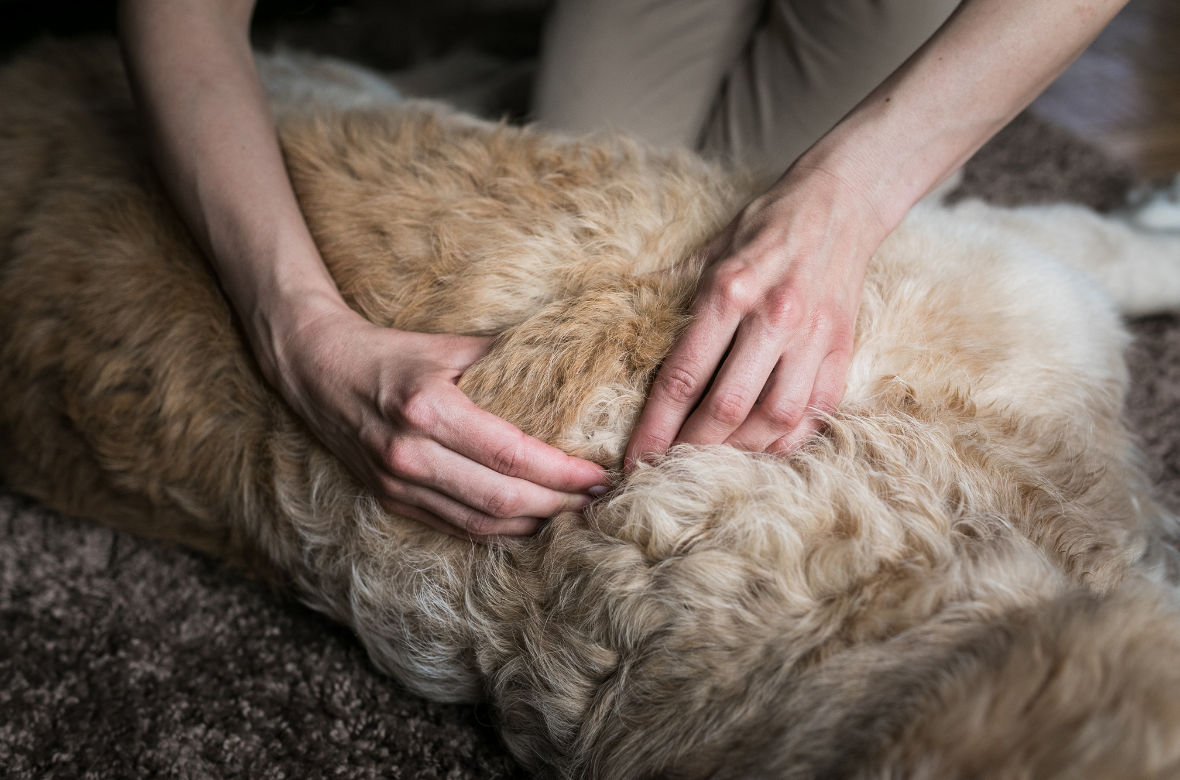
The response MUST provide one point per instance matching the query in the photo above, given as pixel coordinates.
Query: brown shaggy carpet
(124, 658)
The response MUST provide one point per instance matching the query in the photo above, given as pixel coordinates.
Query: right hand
(386, 402)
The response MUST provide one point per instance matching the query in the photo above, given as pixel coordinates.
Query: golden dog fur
(961, 578)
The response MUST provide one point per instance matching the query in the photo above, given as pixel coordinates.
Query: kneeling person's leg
(650, 67)
(806, 65)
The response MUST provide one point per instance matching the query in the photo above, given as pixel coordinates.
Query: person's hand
(383, 401)
(387, 404)
(776, 310)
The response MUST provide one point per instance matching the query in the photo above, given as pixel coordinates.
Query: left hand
(776, 310)
(785, 278)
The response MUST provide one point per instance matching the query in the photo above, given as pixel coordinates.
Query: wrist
(878, 166)
(285, 331)
(278, 284)
(281, 302)
(822, 205)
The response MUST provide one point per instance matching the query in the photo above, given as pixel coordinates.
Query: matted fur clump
(960, 578)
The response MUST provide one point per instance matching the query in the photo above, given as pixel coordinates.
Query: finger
(460, 352)
(830, 382)
(826, 395)
(439, 524)
(424, 517)
(751, 361)
(475, 486)
(783, 406)
(795, 439)
(679, 385)
(445, 514)
(503, 448)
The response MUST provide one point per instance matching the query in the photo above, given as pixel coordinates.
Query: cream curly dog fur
(960, 578)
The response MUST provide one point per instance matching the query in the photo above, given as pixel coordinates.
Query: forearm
(774, 317)
(983, 67)
(215, 146)
(385, 402)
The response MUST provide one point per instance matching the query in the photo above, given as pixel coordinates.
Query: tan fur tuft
(943, 584)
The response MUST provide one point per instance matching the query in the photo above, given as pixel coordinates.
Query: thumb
(462, 351)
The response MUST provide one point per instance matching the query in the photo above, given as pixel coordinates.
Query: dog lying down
(962, 577)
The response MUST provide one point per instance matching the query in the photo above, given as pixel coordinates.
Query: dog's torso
(859, 607)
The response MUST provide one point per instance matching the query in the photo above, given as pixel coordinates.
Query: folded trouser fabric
(750, 80)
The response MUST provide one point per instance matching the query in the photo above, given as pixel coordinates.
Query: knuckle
(479, 525)
(841, 350)
(657, 444)
(782, 309)
(735, 287)
(677, 384)
(401, 461)
(504, 503)
(392, 495)
(781, 446)
(646, 449)
(391, 489)
(825, 401)
(729, 407)
(418, 411)
(784, 415)
(509, 460)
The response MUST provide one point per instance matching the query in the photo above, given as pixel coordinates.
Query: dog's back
(939, 585)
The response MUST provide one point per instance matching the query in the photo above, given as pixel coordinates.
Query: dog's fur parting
(958, 579)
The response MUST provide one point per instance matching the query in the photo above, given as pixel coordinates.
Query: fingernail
(598, 490)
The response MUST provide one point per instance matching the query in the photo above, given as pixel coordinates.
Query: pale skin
(783, 283)
(384, 401)
(773, 319)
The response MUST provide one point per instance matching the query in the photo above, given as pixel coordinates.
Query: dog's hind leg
(1138, 267)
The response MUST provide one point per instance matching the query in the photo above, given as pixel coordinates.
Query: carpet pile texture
(126, 658)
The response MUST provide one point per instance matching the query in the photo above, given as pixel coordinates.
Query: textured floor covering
(123, 658)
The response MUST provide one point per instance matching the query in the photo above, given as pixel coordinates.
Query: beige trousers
(757, 81)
